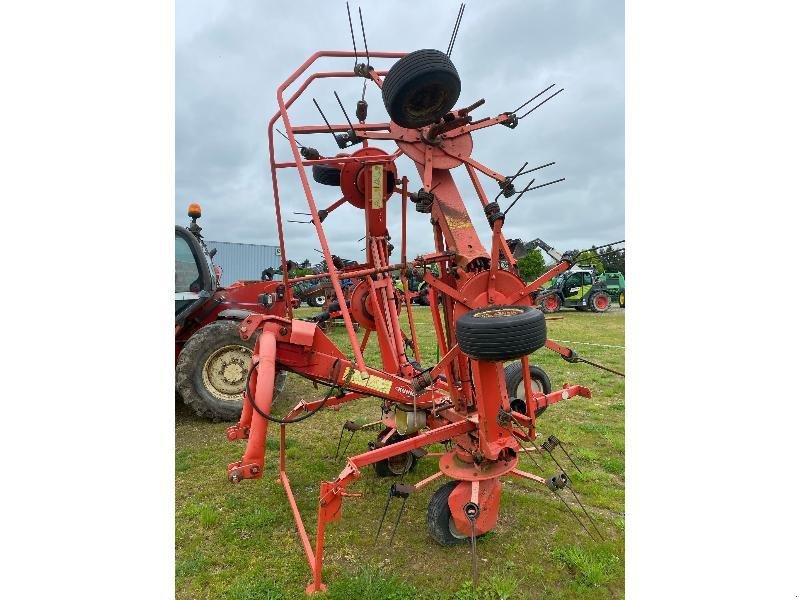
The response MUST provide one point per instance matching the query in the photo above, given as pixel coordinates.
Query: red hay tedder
(486, 315)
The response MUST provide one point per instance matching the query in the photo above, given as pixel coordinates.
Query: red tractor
(211, 358)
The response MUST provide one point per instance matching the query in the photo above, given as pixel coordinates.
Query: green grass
(240, 541)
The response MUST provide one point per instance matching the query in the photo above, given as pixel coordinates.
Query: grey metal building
(244, 261)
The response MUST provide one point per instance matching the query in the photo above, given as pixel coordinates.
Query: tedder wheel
(600, 302)
(396, 465)
(316, 301)
(515, 385)
(326, 175)
(440, 521)
(421, 88)
(550, 304)
(500, 333)
(212, 369)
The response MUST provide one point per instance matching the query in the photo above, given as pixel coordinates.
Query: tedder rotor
(486, 315)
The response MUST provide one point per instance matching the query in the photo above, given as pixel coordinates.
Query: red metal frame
(463, 409)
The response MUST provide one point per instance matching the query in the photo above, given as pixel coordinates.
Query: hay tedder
(485, 317)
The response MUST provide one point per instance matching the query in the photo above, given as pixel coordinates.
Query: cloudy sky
(231, 57)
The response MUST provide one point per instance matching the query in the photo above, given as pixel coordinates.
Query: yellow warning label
(377, 186)
(457, 223)
(373, 382)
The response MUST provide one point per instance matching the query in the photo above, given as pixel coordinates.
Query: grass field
(239, 542)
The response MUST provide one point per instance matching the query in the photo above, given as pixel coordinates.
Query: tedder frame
(462, 400)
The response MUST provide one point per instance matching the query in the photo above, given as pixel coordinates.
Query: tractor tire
(424, 299)
(500, 333)
(316, 301)
(326, 175)
(212, 369)
(600, 302)
(421, 88)
(441, 526)
(396, 465)
(550, 304)
(515, 384)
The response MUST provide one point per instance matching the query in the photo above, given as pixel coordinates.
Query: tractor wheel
(326, 175)
(424, 299)
(600, 302)
(440, 520)
(316, 301)
(421, 88)
(500, 333)
(515, 384)
(212, 369)
(550, 304)
(396, 465)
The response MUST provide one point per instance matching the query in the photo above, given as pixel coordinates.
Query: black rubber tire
(326, 175)
(192, 360)
(382, 466)
(501, 337)
(513, 373)
(317, 301)
(592, 302)
(424, 298)
(421, 88)
(439, 517)
(548, 311)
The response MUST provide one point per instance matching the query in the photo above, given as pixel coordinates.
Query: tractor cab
(195, 280)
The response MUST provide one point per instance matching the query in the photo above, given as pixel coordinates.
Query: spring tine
(352, 36)
(588, 516)
(324, 118)
(521, 106)
(342, 107)
(540, 103)
(287, 138)
(554, 458)
(573, 513)
(536, 187)
(558, 442)
(340, 442)
(397, 522)
(366, 48)
(347, 445)
(455, 29)
(474, 554)
(550, 164)
(385, 510)
(527, 452)
(512, 178)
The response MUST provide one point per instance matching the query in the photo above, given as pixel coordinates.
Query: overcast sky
(231, 57)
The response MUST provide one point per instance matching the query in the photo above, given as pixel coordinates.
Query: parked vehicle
(211, 360)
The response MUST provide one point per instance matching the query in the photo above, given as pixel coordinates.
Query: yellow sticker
(373, 382)
(377, 186)
(457, 223)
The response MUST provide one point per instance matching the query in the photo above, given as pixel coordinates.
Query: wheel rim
(600, 302)
(425, 101)
(451, 525)
(225, 372)
(400, 464)
(319, 300)
(536, 386)
(551, 303)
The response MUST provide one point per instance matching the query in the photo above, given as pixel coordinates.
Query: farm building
(244, 261)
